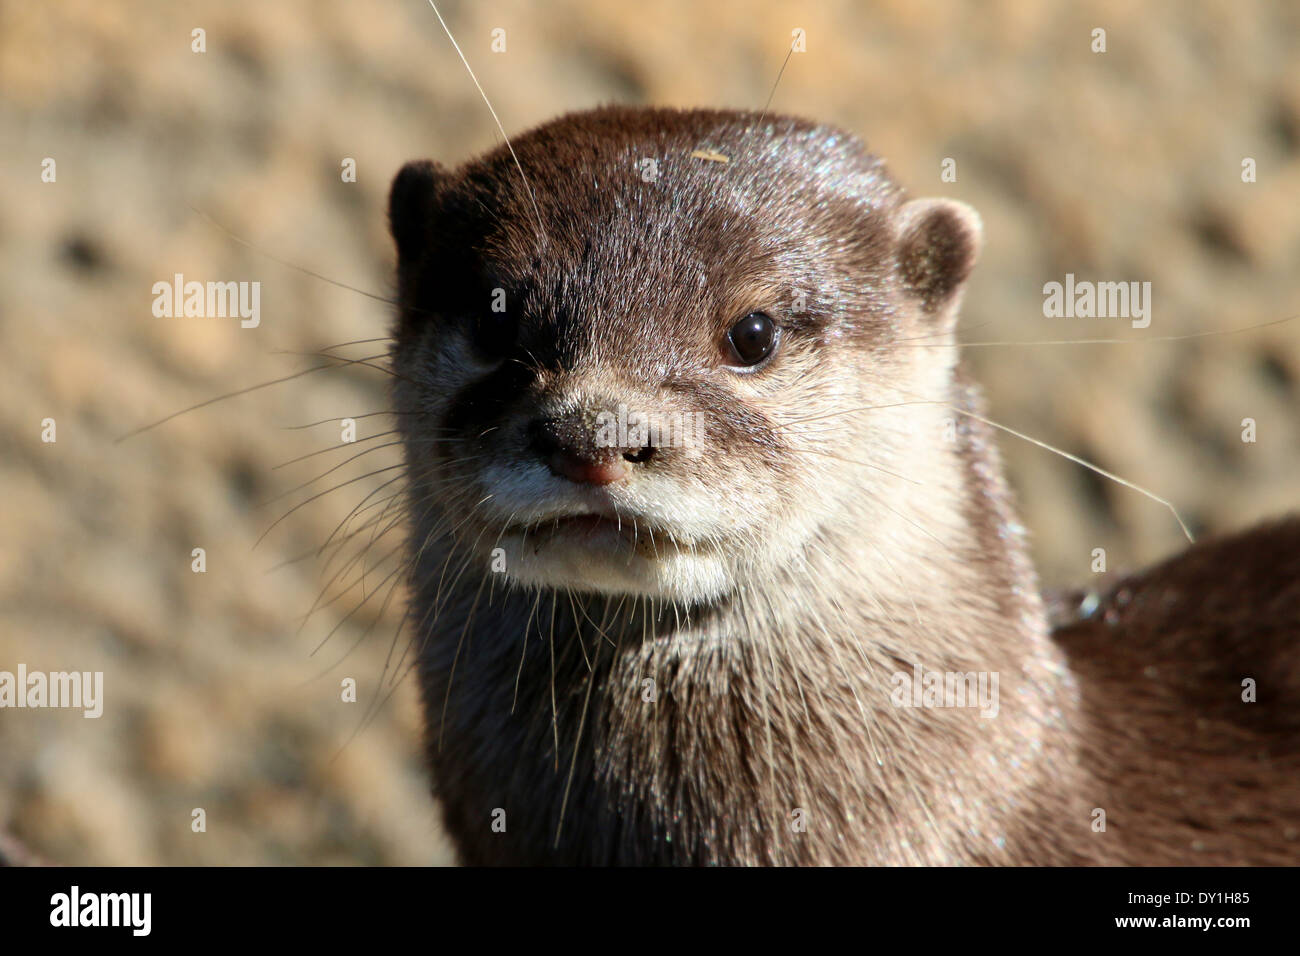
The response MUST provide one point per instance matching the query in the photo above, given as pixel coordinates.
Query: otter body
(643, 644)
(1189, 682)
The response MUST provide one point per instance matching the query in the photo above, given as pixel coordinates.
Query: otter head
(673, 355)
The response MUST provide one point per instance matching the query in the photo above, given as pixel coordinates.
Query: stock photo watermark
(54, 689)
(1098, 300)
(932, 689)
(633, 429)
(208, 300)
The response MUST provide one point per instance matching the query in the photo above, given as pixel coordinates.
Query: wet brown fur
(772, 701)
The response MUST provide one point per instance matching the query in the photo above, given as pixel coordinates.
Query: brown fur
(1187, 771)
(858, 522)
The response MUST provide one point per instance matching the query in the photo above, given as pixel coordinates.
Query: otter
(642, 644)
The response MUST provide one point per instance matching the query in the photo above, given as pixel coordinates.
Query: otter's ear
(410, 206)
(938, 242)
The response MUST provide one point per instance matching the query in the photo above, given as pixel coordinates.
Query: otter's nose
(587, 472)
(571, 451)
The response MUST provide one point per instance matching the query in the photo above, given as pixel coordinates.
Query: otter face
(640, 373)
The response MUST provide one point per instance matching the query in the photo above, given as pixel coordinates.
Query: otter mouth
(579, 526)
(600, 532)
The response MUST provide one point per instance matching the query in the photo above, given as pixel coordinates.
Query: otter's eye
(752, 339)
(495, 332)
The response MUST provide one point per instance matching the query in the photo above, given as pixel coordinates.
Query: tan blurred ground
(1123, 165)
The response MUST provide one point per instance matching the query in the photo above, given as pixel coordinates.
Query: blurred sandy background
(1123, 165)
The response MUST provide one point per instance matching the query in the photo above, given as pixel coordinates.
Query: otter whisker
(328, 471)
(337, 447)
(339, 363)
(339, 418)
(1086, 464)
(318, 496)
(541, 230)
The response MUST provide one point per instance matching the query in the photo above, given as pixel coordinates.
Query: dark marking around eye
(494, 333)
(478, 405)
